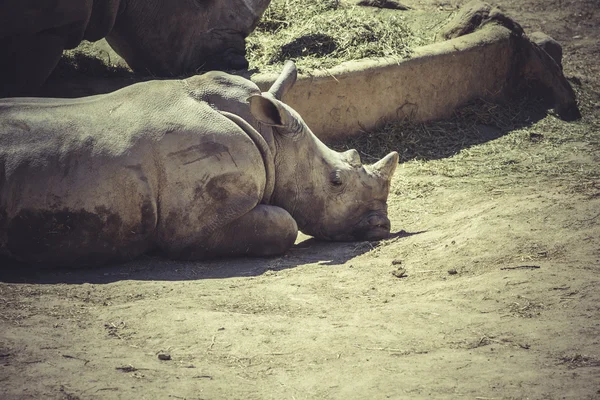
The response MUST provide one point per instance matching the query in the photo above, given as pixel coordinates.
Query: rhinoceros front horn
(386, 166)
(285, 81)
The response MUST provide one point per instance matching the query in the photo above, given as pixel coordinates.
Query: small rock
(399, 273)
(164, 356)
(452, 271)
(396, 262)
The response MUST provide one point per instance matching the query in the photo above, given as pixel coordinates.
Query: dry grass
(472, 124)
(487, 144)
(321, 34)
(315, 34)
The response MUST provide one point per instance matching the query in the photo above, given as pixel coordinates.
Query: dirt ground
(489, 289)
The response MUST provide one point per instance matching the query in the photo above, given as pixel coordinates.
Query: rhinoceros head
(169, 38)
(331, 195)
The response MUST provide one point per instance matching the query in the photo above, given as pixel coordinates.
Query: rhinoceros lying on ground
(164, 37)
(182, 166)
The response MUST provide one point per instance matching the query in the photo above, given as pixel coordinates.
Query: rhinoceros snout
(375, 227)
(379, 221)
(235, 59)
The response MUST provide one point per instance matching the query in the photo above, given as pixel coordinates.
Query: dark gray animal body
(163, 37)
(183, 166)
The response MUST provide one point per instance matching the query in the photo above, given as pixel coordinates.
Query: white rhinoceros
(163, 37)
(181, 166)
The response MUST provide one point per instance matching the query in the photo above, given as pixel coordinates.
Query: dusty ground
(500, 297)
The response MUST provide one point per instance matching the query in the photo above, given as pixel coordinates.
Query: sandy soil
(490, 289)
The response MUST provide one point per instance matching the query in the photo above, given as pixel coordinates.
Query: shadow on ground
(156, 268)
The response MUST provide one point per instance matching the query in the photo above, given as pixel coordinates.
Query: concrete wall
(359, 95)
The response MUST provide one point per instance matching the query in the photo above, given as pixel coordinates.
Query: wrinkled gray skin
(163, 37)
(182, 166)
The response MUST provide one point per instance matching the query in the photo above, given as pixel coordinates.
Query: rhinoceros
(197, 168)
(163, 37)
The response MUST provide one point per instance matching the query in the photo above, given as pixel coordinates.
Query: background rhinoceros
(179, 165)
(163, 37)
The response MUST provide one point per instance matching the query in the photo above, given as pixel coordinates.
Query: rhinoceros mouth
(235, 59)
(376, 232)
(375, 226)
(372, 228)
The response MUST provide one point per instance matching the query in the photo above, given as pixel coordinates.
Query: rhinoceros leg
(263, 231)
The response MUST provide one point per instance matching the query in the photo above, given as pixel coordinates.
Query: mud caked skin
(162, 37)
(198, 168)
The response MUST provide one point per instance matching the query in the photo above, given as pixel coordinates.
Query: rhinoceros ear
(285, 81)
(352, 157)
(270, 111)
(265, 110)
(386, 166)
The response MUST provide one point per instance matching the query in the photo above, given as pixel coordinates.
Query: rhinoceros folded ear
(352, 157)
(265, 110)
(272, 112)
(285, 81)
(386, 166)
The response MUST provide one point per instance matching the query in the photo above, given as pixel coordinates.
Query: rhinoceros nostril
(378, 221)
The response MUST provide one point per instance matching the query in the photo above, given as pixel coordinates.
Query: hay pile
(88, 60)
(321, 34)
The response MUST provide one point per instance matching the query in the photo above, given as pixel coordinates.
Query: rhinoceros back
(80, 174)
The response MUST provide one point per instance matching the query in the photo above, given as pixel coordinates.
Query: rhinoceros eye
(336, 178)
